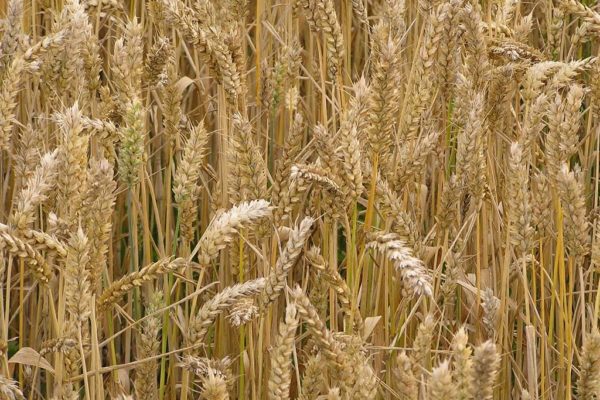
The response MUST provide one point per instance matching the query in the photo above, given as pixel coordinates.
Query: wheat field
(299, 199)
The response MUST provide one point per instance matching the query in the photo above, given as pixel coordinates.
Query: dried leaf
(28, 356)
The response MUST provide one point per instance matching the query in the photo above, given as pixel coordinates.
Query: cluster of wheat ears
(299, 199)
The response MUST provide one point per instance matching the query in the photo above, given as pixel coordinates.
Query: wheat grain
(588, 385)
(148, 346)
(440, 384)
(222, 229)
(414, 276)
(114, 292)
(485, 368)
(200, 323)
(277, 278)
(279, 379)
